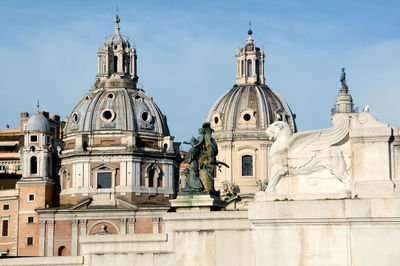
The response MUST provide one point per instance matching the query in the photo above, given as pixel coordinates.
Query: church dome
(115, 103)
(117, 109)
(37, 122)
(249, 107)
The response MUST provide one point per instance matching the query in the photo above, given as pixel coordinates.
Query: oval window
(145, 116)
(110, 96)
(216, 120)
(75, 118)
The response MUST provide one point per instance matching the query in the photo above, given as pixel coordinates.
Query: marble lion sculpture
(308, 152)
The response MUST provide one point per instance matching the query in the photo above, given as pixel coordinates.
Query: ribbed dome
(249, 107)
(37, 122)
(117, 109)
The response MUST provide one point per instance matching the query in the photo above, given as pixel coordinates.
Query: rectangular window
(249, 68)
(29, 240)
(6, 207)
(34, 138)
(247, 165)
(30, 219)
(31, 197)
(104, 180)
(4, 228)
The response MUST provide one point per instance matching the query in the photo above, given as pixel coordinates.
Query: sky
(186, 54)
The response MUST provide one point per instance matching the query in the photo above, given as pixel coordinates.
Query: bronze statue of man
(202, 161)
(343, 80)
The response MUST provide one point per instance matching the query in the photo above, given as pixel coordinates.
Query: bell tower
(116, 58)
(36, 187)
(250, 63)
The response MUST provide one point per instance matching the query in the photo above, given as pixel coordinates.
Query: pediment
(104, 166)
(126, 204)
(81, 204)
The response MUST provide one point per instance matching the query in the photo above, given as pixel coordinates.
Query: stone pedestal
(195, 201)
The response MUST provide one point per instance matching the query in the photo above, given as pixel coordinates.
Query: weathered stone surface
(197, 200)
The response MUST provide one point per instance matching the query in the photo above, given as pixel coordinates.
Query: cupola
(117, 58)
(250, 63)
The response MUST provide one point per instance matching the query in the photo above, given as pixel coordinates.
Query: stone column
(50, 238)
(122, 228)
(42, 231)
(155, 225)
(83, 224)
(74, 238)
(131, 224)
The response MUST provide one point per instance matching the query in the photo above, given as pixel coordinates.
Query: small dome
(117, 37)
(37, 122)
(117, 109)
(249, 107)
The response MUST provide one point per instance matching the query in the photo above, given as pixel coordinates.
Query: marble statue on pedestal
(304, 153)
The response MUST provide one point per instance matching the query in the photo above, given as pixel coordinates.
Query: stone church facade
(112, 172)
(99, 193)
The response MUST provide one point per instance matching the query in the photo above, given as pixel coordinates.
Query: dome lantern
(250, 63)
(117, 59)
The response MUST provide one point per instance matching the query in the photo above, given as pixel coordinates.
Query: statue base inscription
(194, 201)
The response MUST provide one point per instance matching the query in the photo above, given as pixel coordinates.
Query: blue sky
(186, 54)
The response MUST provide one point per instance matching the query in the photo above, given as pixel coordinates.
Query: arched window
(159, 180)
(33, 165)
(151, 178)
(242, 68)
(62, 251)
(247, 165)
(115, 64)
(249, 68)
(257, 69)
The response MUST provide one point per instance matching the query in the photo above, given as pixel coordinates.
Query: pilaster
(155, 225)
(74, 238)
(131, 225)
(83, 225)
(42, 230)
(50, 237)
(122, 228)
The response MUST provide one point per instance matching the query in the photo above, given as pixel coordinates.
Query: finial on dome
(250, 32)
(37, 105)
(117, 19)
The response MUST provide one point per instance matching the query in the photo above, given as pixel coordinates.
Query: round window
(246, 117)
(216, 120)
(108, 115)
(110, 96)
(32, 148)
(137, 97)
